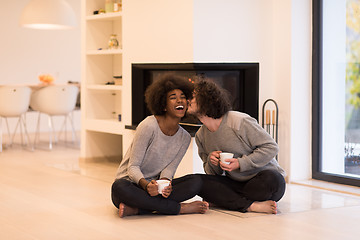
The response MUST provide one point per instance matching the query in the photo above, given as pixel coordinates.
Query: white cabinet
(101, 128)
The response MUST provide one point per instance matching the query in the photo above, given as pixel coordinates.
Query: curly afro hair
(212, 100)
(156, 93)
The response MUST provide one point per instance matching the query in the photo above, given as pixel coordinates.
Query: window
(336, 91)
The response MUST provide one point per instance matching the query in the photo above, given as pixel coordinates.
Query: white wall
(300, 90)
(281, 76)
(25, 53)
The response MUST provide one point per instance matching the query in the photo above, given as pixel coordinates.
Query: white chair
(56, 100)
(14, 103)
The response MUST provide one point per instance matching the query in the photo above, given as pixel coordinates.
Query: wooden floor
(51, 195)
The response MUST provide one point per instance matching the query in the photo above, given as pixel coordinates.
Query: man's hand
(215, 158)
(234, 164)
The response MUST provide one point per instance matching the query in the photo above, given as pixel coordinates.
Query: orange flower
(46, 78)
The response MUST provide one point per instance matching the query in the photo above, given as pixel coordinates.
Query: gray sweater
(152, 154)
(240, 134)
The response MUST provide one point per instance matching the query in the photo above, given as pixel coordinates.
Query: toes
(205, 205)
(121, 210)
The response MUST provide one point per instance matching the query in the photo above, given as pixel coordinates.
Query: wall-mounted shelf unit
(101, 128)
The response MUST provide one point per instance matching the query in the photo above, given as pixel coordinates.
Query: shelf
(104, 52)
(105, 126)
(104, 87)
(105, 17)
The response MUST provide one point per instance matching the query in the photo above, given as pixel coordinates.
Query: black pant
(234, 195)
(129, 193)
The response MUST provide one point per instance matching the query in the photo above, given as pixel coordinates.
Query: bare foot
(194, 207)
(268, 206)
(125, 210)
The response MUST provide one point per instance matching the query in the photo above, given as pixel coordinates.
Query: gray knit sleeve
(263, 146)
(209, 168)
(142, 139)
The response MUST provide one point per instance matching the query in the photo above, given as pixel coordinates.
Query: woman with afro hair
(158, 146)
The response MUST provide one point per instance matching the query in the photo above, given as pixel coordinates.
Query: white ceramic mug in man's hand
(224, 156)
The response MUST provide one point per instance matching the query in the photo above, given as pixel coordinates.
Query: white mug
(162, 183)
(224, 156)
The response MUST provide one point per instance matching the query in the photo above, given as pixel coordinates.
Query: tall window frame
(317, 103)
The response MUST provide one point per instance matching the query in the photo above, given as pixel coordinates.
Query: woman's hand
(234, 164)
(152, 188)
(215, 158)
(167, 191)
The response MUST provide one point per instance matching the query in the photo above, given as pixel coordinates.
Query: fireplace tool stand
(271, 114)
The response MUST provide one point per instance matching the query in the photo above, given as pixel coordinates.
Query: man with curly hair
(251, 181)
(158, 146)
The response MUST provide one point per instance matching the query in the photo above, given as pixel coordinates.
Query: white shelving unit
(101, 129)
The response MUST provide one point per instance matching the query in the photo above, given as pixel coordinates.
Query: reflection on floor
(52, 195)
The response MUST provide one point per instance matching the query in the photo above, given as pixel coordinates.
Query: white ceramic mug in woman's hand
(162, 183)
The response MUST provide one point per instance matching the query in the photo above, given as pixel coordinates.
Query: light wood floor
(51, 195)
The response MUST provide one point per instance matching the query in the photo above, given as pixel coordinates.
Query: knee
(118, 185)
(268, 184)
(273, 179)
(114, 195)
(276, 184)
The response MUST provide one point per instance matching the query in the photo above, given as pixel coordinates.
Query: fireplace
(240, 79)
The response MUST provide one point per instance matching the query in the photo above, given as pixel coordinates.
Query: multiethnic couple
(251, 181)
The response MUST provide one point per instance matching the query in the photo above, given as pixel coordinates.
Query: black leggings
(234, 195)
(129, 193)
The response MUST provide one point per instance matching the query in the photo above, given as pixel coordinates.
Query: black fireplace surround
(241, 80)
